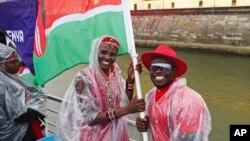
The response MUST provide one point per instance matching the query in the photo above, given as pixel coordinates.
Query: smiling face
(106, 56)
(162, 72)
(12, 63)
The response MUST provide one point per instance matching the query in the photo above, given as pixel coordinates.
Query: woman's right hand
(136, 105)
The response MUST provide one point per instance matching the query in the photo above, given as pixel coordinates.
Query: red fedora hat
(166, 52)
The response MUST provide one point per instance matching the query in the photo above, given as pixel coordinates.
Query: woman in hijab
(22, 105)
(97, 100)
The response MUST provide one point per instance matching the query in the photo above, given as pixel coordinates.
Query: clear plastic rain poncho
(80, 108)
(16, 96)
(179, 115)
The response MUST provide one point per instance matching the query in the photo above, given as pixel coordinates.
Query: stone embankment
(214, 48)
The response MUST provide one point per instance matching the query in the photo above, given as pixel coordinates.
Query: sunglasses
(11, 60)
(164, 67)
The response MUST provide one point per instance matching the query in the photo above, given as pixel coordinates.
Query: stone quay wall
(210, 27)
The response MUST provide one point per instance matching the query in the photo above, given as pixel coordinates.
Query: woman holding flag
(97, 100)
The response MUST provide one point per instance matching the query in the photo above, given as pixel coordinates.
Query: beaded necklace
(107, 88)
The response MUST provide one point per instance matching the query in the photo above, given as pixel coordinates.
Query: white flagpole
(132, 51)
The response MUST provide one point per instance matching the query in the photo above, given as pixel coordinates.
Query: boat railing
(51, 120)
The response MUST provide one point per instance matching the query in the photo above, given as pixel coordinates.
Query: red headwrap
(110, 41)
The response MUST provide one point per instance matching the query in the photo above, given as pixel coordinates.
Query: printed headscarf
(5, 52)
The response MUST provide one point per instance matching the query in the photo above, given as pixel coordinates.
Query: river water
(222, 80)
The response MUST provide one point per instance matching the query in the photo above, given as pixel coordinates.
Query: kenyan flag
(71, 26)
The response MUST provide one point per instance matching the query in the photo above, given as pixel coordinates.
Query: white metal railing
(131, 123)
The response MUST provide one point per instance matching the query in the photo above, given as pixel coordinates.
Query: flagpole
(133, 54)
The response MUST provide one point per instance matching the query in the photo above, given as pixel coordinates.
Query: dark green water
(222, 80)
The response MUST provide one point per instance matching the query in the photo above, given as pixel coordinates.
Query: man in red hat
(175, 112)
